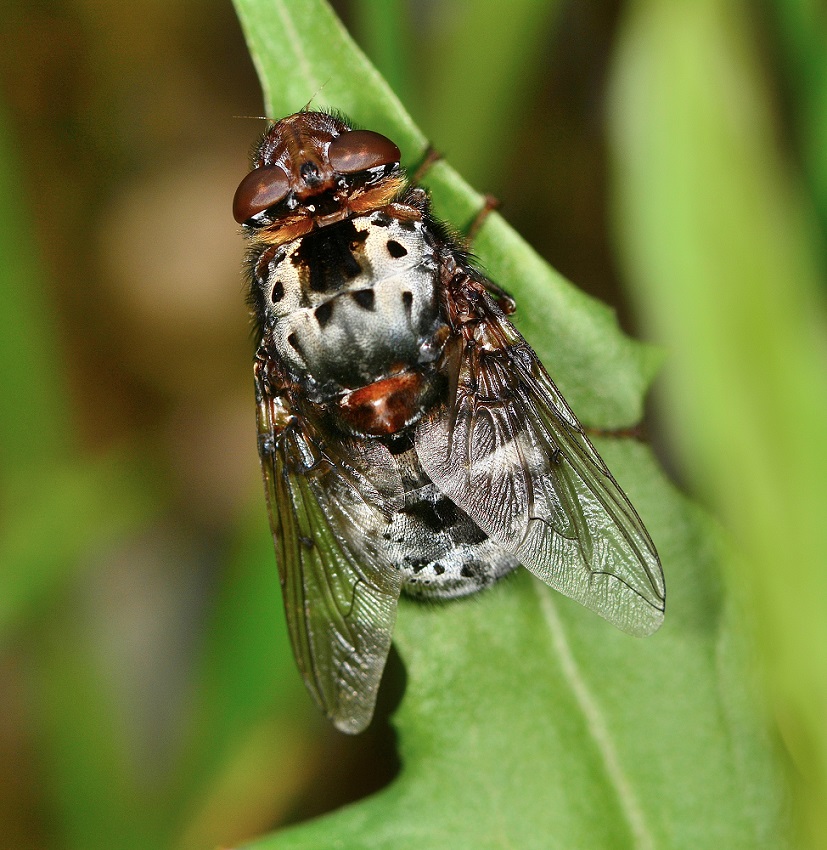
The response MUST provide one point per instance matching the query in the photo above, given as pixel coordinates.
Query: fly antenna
(314, 95)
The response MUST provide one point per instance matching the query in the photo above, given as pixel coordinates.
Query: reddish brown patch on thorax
(384, 407)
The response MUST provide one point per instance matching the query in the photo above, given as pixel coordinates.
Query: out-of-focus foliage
(148, 692)
(724, 248)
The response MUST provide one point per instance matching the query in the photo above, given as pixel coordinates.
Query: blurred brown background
(124, 136)
(127, 132)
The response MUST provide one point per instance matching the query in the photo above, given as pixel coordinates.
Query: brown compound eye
(359, 150)
(260, 189)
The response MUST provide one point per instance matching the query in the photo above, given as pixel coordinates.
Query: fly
(410, 439)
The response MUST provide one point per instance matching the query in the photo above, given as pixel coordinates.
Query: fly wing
(340, 592)
(509, 451)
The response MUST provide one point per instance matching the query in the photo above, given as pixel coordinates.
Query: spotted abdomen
(438, 548)
(353, 302)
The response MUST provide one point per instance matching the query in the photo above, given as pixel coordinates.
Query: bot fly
(410, 439)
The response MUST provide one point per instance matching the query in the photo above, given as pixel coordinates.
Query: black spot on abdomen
(323, 313)
(469, 532)
(395, 249)
(437, 516)
(365, 298)
(473, 569)
(293, 340)
(416, 564)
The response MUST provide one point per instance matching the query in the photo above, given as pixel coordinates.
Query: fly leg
(505, 302)
(490, 204)
(432, 156)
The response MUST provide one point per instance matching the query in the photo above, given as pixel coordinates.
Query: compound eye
(260, 189)
(359, 150)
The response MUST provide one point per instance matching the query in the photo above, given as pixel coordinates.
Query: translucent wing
(510, 452)
(340, 593)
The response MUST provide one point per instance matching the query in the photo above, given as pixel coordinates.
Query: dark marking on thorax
(328, 256)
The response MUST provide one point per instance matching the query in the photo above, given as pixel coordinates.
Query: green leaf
(527, 721)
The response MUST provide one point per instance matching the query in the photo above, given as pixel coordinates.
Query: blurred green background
(666, 156)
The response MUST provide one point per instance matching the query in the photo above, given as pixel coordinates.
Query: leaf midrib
(594, 720)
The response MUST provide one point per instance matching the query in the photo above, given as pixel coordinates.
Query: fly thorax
(353, 302)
